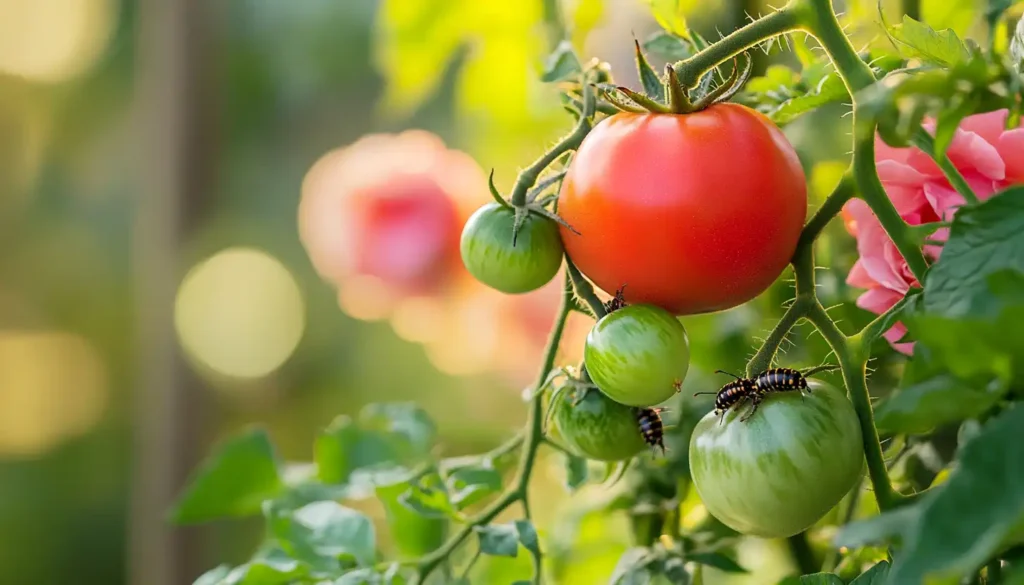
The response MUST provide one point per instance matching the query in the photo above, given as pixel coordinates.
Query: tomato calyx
(667, 95)
(533, 202)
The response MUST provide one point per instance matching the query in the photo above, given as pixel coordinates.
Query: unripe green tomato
(597, 427)
(782, 470)
(490, 256)
(638, 355)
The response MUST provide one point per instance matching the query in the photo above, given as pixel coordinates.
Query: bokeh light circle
(240, 313)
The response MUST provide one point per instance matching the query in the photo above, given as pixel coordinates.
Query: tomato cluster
(680, 214)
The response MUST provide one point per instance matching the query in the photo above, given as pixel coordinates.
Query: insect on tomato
(491, 256)
(596, 427)
(638, 355)
(694, 212)
(782, 470)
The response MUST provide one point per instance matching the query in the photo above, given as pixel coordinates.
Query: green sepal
(653, 86)
(494, 191)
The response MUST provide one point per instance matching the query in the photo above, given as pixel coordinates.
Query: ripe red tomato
(694, 213)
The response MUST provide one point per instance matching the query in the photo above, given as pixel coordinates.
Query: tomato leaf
(669, 14)
(234, 480)
(966, 519)
(1017, 46)
(576, 471)
(500, 540)
(321, 533)
(718, 561)
(359, 577)
(632, 568)
(821, 579)
(427, 501)
(414, 533)
(917, 40)
(668, 46)
(876, 575)
(468, 485)
(214, 576)
(562, 63)
(940, 400)
(984, 238)
(878, 529)
(528, 536)
(384, 433)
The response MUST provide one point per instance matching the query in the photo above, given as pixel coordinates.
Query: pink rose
(988, 156)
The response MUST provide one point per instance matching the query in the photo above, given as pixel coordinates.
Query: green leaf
(652, 84)
(562, 63)
(821, 579)
(429, 502)
(917, 40)
(528, 536)
(667, 46)
(500, 540)
(386, 433)
(935, 402)
(407, 419)
(414, 534)
(879, 529)
(669, 14)
(968, 517)
(829, 90)
(985, 238)
(874, 576)
(470, 484)
(576, 471)
(322, 532)
(359, 577)
(632, 568)
(214, 576)
(1017, 46)
(718, 561)
(905, 305)
(234, 480)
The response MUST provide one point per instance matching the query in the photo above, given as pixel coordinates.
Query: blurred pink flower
(990, 158)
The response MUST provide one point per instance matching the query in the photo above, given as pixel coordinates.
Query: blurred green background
(140, 139)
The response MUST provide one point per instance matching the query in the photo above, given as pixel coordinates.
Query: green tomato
(782, 470)
(597, 427)
(490, 256)
(638, 355)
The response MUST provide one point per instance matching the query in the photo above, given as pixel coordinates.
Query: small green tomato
(596, 427)
(638, 355)
(490, 256)
(782, 470)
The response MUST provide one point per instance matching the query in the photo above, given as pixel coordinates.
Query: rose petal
(878, 300)
(872, 244)
(894, 334)
(989, 125)
(859, 277)
(1011, 148)
(885, 152)
(944, 199)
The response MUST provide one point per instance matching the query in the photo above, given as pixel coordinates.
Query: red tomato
(694, 213)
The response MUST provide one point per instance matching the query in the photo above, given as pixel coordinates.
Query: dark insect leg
(727, 374)
(756, 401)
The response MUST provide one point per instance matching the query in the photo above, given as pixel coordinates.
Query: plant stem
(777, 23)
(873, 192)
(802, 554)
(584, 289)
(854, 366)
(533, 438)
(819, 19)
(764, 357)
(831, 207)
(528, 177)
(926, 143)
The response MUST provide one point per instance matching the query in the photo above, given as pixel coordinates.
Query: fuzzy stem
(777, 23)
(533, 439)
(584, 289)
(528, 177)
(854, 366)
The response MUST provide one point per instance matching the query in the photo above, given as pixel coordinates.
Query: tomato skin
(782, 470)
(597, 427)
(489, 255)
(638, 355)
(694, 213)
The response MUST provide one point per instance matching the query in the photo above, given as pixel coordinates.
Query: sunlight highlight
(240, 313)
(53, 41)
